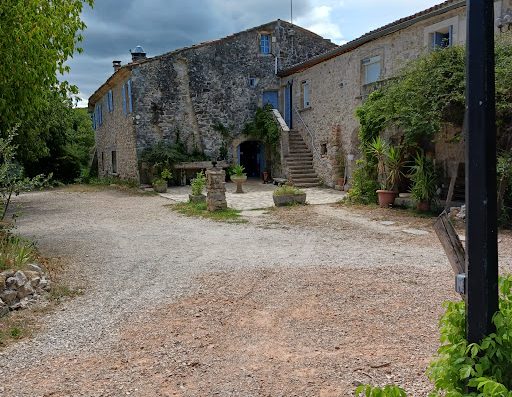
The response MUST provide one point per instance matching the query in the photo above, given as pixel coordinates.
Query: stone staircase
(300, 162)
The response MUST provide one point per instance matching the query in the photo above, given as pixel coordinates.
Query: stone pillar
(216, 188)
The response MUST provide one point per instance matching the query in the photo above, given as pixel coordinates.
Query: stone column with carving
(216, 189)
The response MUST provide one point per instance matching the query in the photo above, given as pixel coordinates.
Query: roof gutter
(352, 45)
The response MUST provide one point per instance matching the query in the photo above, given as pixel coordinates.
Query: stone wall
(188, 91)
(336, 88)
(117, 134)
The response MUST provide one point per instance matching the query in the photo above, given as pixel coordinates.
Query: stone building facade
(326, 90)
(202, 95)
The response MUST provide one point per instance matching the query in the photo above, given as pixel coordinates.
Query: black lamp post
(481, 226)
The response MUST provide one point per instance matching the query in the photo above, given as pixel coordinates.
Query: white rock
(34, 267)
(20, 277)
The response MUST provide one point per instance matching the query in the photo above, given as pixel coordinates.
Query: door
(272, 98)
(288, 105)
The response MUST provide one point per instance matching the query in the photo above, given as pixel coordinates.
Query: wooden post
(481, 200)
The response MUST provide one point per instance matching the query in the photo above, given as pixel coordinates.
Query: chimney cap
(138, 50)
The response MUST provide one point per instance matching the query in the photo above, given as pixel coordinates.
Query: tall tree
(36, 39)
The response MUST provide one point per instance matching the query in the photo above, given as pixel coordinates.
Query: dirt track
(304, 301)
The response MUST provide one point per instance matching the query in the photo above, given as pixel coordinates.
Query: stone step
(299, 162)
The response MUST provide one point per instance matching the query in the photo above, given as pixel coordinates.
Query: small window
(323, 149)
(265, 44)
(253, 82)
(305, 91)
(110, 101)
(98, 115)
(114, 162)
(442, 38)
(371, 69)
(103, 161)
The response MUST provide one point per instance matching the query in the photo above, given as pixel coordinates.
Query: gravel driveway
(152, 275)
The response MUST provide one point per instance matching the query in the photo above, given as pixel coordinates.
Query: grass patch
(229, 215)
(59, 292)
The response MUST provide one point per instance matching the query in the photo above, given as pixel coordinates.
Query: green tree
(37, 37)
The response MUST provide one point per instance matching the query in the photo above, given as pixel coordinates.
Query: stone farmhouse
(186, 93)
(322, 93)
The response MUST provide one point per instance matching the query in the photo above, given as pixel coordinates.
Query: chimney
(138, 54)
(117, 65)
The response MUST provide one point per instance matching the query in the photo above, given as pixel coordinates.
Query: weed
(15, 252)
(229, 215)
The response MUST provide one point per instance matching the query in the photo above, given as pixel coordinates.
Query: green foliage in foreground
(229, 215)
(386, 391)
(198, 183)
(485, 367)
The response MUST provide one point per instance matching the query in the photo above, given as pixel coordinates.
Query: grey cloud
(116, 26)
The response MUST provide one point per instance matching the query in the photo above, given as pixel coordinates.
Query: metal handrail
(308, 131)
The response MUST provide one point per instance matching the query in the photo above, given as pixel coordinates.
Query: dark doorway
(251, 155)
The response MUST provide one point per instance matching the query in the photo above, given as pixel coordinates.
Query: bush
(198, 183)
(364, 184)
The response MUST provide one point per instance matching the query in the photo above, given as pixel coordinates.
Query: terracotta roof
(375, 34)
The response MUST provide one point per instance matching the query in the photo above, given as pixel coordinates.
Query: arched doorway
(251, 154)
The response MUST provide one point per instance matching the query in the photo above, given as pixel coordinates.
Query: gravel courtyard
(303, 301)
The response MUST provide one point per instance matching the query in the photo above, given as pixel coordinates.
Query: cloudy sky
(116, 26)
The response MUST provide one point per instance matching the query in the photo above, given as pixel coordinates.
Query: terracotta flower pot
(386, 198)
(423, 206)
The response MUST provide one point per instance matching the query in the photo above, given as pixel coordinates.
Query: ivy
(264, 127)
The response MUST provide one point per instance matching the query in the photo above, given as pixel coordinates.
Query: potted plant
(389, 170)
(160, 183)
(238, 176)
(287, 195)
(198, 184)
(424, 182)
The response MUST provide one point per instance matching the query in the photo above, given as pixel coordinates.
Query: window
(323, 149)
(127, 97)
(253, 82)
(114, 162)
(98, 115)
(265, 44)
(103, 161)
(305, 91)
(371, 70)
(110, 101)
(442, 38)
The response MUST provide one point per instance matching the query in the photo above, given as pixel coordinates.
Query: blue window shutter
(130, 96)
(124, 98)
(265, 44)
(93, 119)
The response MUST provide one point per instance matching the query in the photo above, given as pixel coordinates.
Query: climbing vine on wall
(264, 127)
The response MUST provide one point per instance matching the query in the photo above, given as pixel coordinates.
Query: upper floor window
(97, 116)
(265, 43)
(371, 70)
(442, 38)
(110, 101)
(306, 92)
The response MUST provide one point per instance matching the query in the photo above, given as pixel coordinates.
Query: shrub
(424, 179)
(364, 184)
(198, 183)
(237, 170)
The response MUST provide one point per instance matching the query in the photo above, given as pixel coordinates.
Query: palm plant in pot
(424, 182)
(389, 169)
(238, 176)
(160, 183)
(198, 184)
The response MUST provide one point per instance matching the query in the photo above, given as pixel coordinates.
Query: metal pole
(481, 226)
